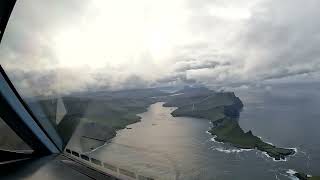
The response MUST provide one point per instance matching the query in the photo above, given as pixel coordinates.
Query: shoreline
(239, 150)
(223, 111)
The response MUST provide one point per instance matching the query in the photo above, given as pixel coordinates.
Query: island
(302, 176)
(223, 110)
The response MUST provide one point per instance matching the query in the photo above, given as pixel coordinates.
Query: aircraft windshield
(173, 89)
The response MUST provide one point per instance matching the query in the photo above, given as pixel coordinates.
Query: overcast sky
(64, 46)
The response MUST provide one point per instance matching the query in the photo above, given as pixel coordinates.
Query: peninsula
(223, 110)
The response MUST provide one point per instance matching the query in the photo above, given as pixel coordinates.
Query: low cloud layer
(63, 47)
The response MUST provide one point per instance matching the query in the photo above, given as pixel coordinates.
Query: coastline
(223, 110)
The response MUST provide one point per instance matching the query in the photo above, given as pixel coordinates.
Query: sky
(59, 47)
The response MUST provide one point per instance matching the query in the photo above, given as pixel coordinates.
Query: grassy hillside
(303, 176)
(223, 109)
(114, 109)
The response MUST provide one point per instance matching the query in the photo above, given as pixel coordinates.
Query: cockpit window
(9, 141)
(173, 89)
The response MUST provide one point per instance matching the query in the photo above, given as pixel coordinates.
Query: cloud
(87, 45)
(183, 66)
(281, 39)
(27, 41)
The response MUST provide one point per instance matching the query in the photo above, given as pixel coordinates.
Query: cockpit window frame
(15, 112)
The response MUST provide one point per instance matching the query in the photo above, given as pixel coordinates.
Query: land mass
(223, 110)
(116, 109)
(101, 113)
(303, 176)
